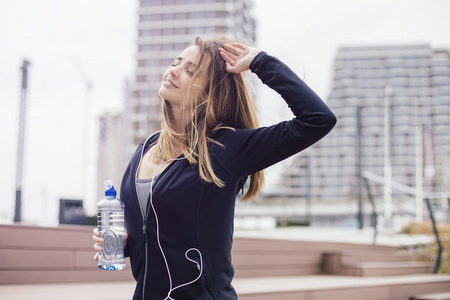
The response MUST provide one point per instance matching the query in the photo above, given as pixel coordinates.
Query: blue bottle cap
(110, 191)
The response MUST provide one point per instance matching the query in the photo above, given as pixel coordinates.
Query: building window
(141, 63)
(221, 14)
(209, 14)
(167, 31)
(180, 31)
(180, 16)
(196, 30)
(167, 46)
(151, 2)
(141, 78)
(152, 62)
(147, 18)
(196, 15)
(145, 33)
(220, 29)
(155, 32)
(152, 77)
(166, 62)
(168, 16)
(144, 94)
(179, 46)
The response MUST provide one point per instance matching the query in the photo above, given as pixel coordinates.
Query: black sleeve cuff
(261, 56)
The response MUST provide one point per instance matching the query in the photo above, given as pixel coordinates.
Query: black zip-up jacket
(192, 214)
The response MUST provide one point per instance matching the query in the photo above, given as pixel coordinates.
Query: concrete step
(386, 268)
(435, 296)
(354, 257)
(282, 263)
(259, 258)
(271, 245)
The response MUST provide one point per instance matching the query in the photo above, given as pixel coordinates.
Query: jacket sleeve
(247, 151)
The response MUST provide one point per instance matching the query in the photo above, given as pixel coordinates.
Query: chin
(160, 93)
(173, 99)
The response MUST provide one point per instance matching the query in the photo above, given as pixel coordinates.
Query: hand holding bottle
(111, 231)
(98, 241)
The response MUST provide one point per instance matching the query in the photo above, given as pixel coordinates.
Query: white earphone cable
(199, 264)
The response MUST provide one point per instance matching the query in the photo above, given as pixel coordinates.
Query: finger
(229, 67)
(240, 46)
(226, 57)
(233, 50)
(96, 257)
(97, 239)
(96, 231)
(231, 57)
(231, 53)
(97, 247)
(124, 242)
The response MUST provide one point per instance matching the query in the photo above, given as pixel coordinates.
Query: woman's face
(180, 76)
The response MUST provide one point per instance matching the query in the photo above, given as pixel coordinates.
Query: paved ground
(124, 290)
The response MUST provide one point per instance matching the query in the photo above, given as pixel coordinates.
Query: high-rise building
(165, 28)
(415, 80)
(111, 151)
(113, 144)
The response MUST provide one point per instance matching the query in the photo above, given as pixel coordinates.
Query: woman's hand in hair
(237, 57)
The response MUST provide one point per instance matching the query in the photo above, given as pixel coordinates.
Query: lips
(169, 83)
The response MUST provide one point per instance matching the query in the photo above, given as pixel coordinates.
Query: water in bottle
(110, 220)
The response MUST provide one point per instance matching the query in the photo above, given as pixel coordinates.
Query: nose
(174, 71)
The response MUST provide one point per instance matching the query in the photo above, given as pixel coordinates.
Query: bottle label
(111, 245)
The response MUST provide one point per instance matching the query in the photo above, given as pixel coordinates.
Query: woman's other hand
(237, 57)
(98, 241)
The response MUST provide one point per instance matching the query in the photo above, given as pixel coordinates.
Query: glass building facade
(415, 79)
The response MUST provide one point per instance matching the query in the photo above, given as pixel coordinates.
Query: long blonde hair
(229, 106)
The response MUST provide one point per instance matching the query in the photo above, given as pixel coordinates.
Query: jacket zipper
(144, 231)
(145, 214)
(144, 220)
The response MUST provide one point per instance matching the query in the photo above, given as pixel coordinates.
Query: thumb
(228, 67)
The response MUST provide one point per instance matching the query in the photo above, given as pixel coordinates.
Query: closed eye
(190, 65)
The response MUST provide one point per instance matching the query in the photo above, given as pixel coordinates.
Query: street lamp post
(20, 148)
(387, 154)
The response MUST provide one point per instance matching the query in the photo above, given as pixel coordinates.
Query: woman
(180, 227)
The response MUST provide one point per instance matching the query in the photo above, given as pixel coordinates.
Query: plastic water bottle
(110, 220)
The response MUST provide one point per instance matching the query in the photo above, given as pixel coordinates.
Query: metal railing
(428, 199)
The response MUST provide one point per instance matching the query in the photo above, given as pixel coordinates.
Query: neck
(179, 118)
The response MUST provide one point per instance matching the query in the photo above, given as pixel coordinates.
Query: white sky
(65, 39)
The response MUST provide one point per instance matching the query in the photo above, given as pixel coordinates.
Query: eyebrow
(189, 62)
